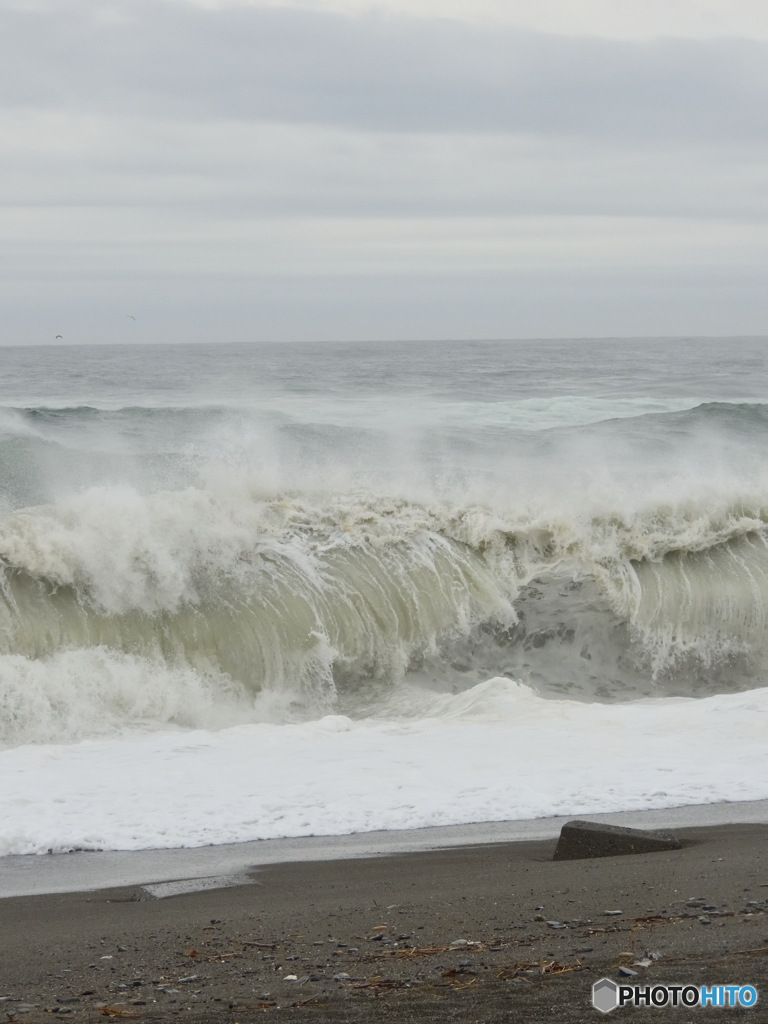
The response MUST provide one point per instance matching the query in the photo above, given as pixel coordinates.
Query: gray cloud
(379, 73)
(237, 169)
(255, 173)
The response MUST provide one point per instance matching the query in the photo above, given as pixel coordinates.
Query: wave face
(332, 606)
(341, 546)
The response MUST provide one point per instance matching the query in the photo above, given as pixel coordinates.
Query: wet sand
(430, 936)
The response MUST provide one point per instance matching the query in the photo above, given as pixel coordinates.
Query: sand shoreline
(82, 871)
(373, 938)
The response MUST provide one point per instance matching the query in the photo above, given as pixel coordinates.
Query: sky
(214, 170)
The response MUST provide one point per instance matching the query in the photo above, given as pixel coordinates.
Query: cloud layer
(375, 72)
(284, 172)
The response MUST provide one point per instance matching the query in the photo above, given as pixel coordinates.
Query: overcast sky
(408, 169)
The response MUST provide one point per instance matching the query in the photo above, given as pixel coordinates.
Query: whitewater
(252, 591)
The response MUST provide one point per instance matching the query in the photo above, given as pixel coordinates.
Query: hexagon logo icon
(605, 995)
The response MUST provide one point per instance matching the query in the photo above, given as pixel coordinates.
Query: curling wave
(222, 600)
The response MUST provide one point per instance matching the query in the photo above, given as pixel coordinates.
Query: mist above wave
(488, 453)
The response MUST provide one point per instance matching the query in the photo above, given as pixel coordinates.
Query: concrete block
(582, 839)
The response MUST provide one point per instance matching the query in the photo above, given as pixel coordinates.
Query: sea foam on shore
(494, 752)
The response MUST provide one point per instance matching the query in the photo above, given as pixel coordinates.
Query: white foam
(496, 752)
(95, 692)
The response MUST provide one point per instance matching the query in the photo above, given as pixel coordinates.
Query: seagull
(129, 317)
(60, 336)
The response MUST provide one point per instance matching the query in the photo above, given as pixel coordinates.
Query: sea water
(262, 590)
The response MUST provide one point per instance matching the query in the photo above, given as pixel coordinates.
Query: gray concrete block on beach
(582, 839)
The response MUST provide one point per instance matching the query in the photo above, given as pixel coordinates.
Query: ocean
(252, 591)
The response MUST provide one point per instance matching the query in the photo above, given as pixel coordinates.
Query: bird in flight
(129, 317)
(60, 336)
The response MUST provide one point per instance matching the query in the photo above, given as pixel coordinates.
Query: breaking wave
(209, 606)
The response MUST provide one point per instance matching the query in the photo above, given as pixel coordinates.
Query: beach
(463, 933)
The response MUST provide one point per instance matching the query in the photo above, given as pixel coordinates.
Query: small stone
(555, 924)
(704, 920)
(613, 913)
(290, 977)
(643, 963)
(539, 917)
(627, 972)
(342, 976)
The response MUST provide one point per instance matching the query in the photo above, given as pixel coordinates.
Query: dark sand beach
(432, 936)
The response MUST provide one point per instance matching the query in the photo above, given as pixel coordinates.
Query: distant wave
(551, 412)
